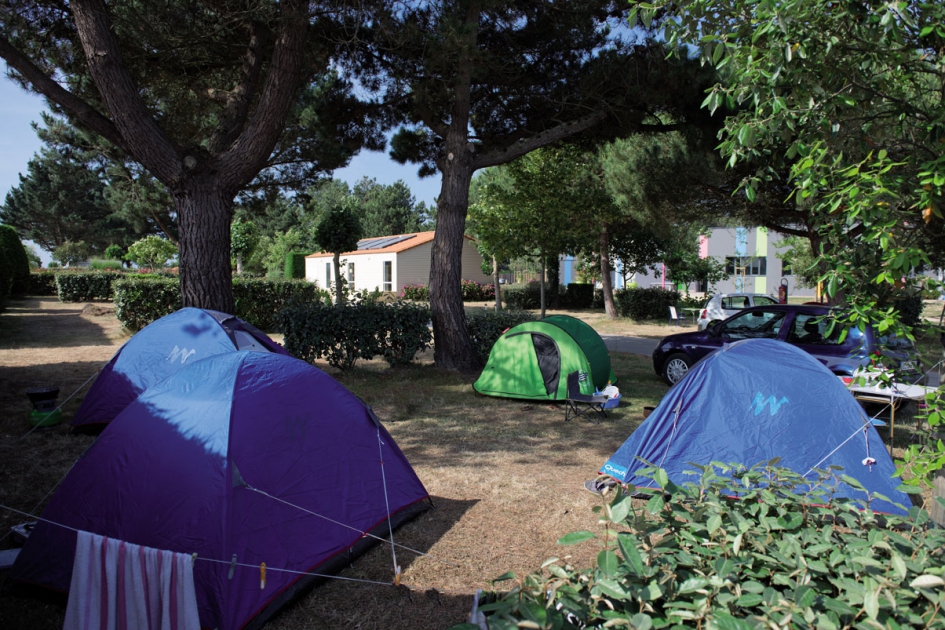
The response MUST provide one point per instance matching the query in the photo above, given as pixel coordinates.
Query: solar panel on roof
(384, 241)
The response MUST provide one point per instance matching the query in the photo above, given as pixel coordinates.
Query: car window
(810, 328)
(764, 300)
(759, 324)
(736, 303)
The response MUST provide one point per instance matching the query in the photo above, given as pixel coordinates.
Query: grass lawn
(506, 476)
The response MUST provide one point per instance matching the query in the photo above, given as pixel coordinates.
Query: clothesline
(214, 560)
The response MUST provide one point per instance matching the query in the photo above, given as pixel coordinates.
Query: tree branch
(550, 136)
(80, 110)
(150, 146)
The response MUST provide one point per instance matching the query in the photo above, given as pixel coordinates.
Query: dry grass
(506, 476)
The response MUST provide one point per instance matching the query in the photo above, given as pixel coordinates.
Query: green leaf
(656, 504)
(714, 523)
(613, 588)
(927, 581)
(607, 562)
(723, 621)
(661, 477)
(575, 538)
(629, 548)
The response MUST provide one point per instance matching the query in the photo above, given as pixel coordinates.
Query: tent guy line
(214, 560)
(390, 528)
(355, 529)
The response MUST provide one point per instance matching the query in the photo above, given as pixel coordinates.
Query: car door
(732, 304)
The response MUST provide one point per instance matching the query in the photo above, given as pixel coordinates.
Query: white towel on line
(117, 585)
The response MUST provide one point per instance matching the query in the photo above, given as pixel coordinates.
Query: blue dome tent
(159, 350)
(750, 402)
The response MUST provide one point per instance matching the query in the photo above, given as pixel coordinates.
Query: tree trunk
(204, 214)
(495, 283)
(541, 286)
(453, 347)
(338, 294)
(607, 287)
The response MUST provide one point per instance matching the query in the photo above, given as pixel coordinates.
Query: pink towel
(120, 586)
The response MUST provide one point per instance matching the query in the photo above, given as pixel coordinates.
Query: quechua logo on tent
(773, 404)
(180, 353)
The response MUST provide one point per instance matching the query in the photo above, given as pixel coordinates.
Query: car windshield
(752, 325)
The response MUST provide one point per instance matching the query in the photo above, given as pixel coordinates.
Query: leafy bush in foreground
(773, 558)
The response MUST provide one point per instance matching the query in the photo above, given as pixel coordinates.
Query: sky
(18, 143)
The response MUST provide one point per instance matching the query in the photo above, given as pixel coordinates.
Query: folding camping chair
(673, 317)
(588, 403)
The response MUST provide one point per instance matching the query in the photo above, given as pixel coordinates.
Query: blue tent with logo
(752, 401)
(160, 349)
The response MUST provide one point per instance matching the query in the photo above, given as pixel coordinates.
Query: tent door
(549, 361)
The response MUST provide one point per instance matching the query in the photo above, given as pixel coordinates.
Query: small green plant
(737, 548)
(151, 252)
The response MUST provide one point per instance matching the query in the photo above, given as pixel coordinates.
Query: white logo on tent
(760, 402)
(182, 353)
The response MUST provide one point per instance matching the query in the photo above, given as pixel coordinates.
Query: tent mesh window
(548, 361)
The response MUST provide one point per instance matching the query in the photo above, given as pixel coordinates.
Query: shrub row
(43, 283)
(140, 300)
(294, 265)
(573, 296)
(475, 292)
(736, 549)
(472, 292)
(486, 327)
(416, 292)
(642, 304)
(14, 264)
(343, 334)
(86, 286)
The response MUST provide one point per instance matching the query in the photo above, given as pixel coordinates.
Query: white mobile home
(388, 263)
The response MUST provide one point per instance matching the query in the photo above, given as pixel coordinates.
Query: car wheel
(676, 367)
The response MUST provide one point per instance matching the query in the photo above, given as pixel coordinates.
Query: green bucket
(44, 419)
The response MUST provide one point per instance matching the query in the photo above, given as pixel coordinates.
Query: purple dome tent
(209, 460)
(159, 350)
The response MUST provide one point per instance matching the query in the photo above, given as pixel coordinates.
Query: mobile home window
(388, 276)
(327, 275)
(351, 273)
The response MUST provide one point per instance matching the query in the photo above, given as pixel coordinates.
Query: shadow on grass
(27, 323)
(434, 414)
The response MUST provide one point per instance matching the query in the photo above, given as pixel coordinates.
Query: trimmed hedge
(294, 266)
(141, 300)
(343, 334)
(486, 327)
(260, 300)
(43, 283)
(17, 262)
(642, 304)
(578, 296)
(86, 286)
(523, 297)
(6, 275)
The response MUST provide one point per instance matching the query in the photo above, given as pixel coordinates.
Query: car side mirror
(713, 328)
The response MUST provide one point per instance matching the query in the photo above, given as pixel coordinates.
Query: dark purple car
(800, 325)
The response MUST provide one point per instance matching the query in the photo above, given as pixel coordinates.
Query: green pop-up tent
(533, 360)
